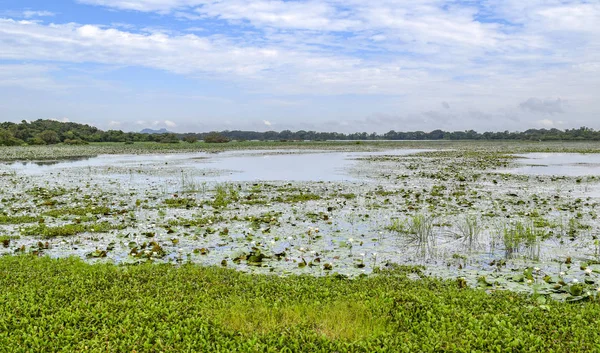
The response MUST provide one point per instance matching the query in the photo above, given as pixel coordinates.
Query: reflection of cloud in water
(272, 165)
(565, 164)
(50, 162)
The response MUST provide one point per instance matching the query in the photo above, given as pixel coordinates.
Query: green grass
(51, 305)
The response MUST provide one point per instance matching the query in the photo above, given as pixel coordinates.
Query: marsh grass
(189, 184)
(523, 236)
(418, 231)
(224, 195)
(469, 231)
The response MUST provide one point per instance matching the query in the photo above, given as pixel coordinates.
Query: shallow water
(564, 164)
(272, 165)
(358, 199)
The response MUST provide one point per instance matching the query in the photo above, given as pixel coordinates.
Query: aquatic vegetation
(520, 234)
(219, 309)
(225, 195)
(469, 231)
(79, 211)
(190, 185)
(45, 231)
(14, 219)
(181, 202)
(455, 198)
(297, 197)
(417, 230)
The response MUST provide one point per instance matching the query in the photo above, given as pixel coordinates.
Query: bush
(168, 138)
(190, 138)
(215, 137)
(49, 137)
(7, 139)
(36, 141)
(75, 142)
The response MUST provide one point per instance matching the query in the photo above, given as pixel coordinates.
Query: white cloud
(62, 120)
(169, 123)
(547, 123)
(267, 123)
(544, 106)
(33, 14)
(143, 5)
(481, 56)
(113, 123)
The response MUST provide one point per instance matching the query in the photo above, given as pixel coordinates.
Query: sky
(329, 65)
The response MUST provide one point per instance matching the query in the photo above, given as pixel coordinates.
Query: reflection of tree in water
(52, 161)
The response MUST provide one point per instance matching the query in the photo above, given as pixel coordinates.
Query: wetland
(500, 218)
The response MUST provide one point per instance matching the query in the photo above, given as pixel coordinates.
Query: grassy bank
(67, 305)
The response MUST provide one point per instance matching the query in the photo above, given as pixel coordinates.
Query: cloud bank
(428, 61)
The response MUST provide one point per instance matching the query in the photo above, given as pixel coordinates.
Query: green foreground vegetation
(51, 305)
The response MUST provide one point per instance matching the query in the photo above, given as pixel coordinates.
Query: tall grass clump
(225, 195)
(417, 231)
(469, 231)
(521, 236)
(189, 185)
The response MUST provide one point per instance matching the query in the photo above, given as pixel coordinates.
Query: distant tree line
(48, 132)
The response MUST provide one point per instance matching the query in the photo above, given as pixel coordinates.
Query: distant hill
(151, 131)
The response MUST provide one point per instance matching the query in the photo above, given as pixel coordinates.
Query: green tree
(215, 137)
(49, 137)
(190, 138)
(7, 139)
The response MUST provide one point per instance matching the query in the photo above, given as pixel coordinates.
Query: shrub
(215, 137)
(49, 137)
(190, 138)
(75, 142)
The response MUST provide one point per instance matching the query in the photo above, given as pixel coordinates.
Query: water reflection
(565, 164)
(49, 162)
(264, 165)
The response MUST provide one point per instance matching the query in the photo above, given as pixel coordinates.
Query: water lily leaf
(577, 298)
(483, 282)
(518, 278)
(97, 254)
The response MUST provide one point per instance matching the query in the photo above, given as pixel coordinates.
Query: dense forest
(47, 132)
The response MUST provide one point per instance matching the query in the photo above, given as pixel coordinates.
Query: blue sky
(329, 65)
